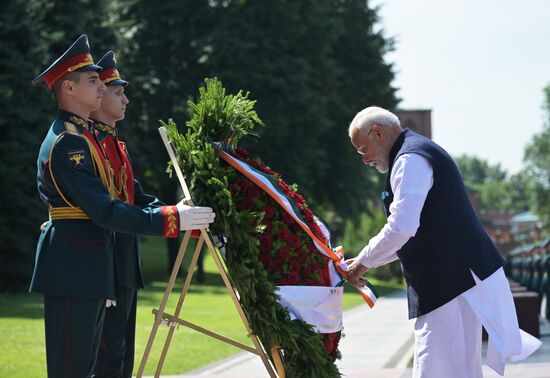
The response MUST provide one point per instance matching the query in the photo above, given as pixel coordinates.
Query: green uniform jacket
(75, 257)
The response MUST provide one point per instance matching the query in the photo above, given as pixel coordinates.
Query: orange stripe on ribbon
(326, 250)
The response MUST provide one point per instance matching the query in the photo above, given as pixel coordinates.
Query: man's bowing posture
(455, 280)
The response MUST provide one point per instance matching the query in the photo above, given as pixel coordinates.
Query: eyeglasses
(360, 149)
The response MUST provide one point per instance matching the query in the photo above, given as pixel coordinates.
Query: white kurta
(448, 339)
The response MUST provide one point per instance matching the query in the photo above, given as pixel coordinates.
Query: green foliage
(33, 34)
(477, 171)
(537, 157)
(22, 327)
(305, 355)
(496, 190)
(22, 130)
(311, 64)
(223, 118)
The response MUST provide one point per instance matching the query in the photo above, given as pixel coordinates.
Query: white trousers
(448, 339)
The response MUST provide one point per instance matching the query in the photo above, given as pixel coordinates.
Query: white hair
(374, 115)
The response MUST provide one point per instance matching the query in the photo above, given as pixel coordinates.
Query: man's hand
(194, 217)
(355, 271)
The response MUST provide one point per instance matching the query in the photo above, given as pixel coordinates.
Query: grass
(22, 352)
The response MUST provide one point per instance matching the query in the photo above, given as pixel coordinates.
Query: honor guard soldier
(116, 351)
(545, 284)
(74, 265)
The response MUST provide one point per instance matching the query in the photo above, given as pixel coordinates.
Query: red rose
(255, 164)
(245, 204)
(308, 215)
(299, 199)
(234, 189)
(269, 212)
(293, 241)
(308, 271)
(267, 228)
(325, 277)
(285, 188)
(284, 254)
(282, 234)
(294, 278)
(241, 153)
(276, 265)
(266, 243)
(284, 281)
(287, 218)
(269, 171)
(302, 257)
(265, 259)
(255, 192)
(310, 282)
(295, 265)
(329, 344)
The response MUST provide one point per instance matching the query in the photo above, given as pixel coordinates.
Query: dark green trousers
(73, 331)
(116, 351)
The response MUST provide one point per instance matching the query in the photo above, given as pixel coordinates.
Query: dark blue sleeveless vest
(450, 240)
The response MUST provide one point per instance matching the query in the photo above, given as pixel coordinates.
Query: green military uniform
(512, 260)
(116, 353)
(526, 272)
(75, 263)
(537, 273)
(545, 284)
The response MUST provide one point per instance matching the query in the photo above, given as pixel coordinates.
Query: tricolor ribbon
(268, 184)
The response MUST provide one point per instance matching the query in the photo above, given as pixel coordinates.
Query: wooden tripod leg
(167, 292)
(179, 306)
(233, 295)
(278, 361)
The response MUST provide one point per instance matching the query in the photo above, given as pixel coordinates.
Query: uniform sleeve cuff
(171, 221)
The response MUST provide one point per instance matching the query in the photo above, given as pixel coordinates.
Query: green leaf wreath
(226, 119)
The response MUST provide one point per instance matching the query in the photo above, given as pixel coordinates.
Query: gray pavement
(378, 343)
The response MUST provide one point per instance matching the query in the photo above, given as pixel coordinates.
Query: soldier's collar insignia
(105, 128)
(77, 158)
(79, 121)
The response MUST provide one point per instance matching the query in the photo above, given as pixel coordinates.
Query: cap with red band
(76, 58)
(110, 74)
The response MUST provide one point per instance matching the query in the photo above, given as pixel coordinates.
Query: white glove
(194, 217)
(109, 303)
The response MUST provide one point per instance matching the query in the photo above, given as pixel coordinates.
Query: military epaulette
(122, 145)
(79, 121)
(105, 128)
(71, 128)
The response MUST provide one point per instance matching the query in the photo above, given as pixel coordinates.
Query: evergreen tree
(537, 158)
(363, 79)
(311, 65)
(33, 34)
(22, 111)
(164, 59)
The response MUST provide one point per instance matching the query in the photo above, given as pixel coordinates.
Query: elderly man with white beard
(455, 280)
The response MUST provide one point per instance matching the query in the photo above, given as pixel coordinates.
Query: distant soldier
(545, 285)
(537, 270)
(525, 272)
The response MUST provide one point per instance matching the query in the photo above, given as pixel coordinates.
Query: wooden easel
(274, 368)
